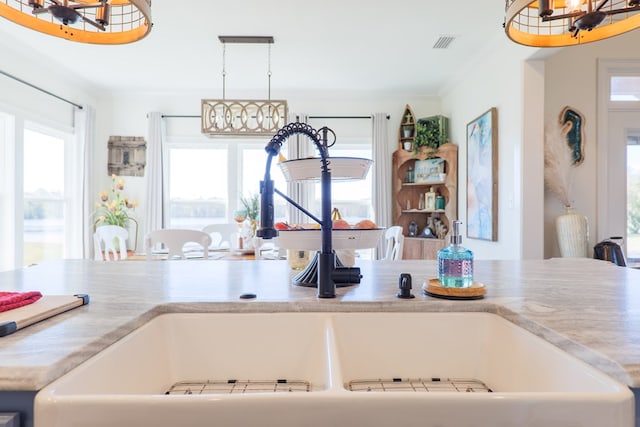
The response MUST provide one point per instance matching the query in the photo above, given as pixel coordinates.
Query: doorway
(623, 180)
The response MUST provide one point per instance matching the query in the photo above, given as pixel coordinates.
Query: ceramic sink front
(333, 369)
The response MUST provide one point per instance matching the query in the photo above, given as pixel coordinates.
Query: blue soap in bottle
(455, 262)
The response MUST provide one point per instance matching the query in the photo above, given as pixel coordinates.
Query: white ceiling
(319, 45)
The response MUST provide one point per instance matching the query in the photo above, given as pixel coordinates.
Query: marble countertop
(588, 308)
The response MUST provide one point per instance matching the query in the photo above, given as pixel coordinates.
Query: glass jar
(297, 259)
(409, 176)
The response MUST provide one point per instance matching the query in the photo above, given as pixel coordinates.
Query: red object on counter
(11, 300)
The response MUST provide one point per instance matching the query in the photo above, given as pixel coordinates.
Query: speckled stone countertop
(588, 308)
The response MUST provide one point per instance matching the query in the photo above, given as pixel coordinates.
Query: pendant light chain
(224, 70)
(269, 73)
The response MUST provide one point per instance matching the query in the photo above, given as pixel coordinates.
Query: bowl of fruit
(308, 237)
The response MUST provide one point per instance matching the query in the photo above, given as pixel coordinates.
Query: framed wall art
(482, 176)
(127, 155)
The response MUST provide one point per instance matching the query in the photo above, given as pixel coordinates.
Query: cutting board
(46, 307)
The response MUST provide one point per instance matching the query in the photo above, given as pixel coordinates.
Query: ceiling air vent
(443, 41)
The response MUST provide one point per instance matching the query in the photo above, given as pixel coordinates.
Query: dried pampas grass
(558, 163)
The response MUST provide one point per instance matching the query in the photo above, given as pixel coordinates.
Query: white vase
(573, 234)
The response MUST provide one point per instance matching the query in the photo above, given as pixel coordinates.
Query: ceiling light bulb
(573, 5)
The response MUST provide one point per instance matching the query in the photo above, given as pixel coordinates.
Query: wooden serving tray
(46, 307)
(435, 289)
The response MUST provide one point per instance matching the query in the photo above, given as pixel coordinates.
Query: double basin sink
(333, 369)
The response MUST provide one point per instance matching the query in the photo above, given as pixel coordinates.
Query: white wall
(496, 78)
(31, 103)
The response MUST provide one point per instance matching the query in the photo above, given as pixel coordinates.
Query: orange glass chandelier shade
(557, 23)
(128, 20)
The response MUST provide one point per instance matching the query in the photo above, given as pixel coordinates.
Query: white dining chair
(394, 242)
(221, 234)
(107, 235)
(174, 240)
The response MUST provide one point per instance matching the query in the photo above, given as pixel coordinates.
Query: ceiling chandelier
(555, 23)
(84, 21)
(243, 116)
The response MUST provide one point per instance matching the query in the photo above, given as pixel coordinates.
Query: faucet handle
(404, 283)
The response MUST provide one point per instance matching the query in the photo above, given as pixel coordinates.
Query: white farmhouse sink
(412, 356)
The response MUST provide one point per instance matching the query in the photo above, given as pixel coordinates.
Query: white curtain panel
(382, 175)
(154, 218)
(299, 148)
(85, 128)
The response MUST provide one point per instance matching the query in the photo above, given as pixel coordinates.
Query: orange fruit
(365, 224)
(340, 224)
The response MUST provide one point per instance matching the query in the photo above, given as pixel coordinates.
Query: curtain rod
(344, 117)
(18, 79)
(169, 116)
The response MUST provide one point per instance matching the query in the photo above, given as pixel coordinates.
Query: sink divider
(334, 367)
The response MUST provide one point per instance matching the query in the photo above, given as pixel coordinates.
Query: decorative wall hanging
(482, 176)
(127, 155)
(572, 122)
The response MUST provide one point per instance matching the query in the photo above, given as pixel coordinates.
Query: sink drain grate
(238, 386)
(420, 385)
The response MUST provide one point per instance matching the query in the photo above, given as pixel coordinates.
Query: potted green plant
(431, 133)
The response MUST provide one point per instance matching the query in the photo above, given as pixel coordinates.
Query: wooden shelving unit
(409, 193)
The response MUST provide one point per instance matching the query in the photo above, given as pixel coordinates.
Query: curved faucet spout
(326, 284)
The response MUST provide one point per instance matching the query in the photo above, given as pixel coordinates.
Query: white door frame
(606, 69)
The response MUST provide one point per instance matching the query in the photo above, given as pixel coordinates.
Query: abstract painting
(482, 176)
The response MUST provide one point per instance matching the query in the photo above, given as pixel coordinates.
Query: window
(198, 190)
(207, 179)
(7, 193)
(253, 164)
(44, 197)
(624, 88)
(351, 198)
(35, 190)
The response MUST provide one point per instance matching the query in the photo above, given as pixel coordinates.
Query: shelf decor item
(482, 176)
(429, 170)
(431, 133)
(573, 234)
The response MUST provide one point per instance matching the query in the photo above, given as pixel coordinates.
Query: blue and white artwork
(482, 185)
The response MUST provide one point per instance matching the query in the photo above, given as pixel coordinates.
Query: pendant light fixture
(556, 23)
(84, 21)
(243, 116)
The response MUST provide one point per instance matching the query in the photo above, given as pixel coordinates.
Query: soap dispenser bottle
(455, 262)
